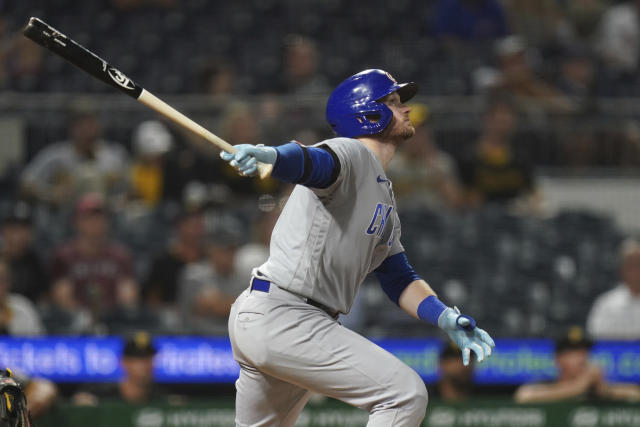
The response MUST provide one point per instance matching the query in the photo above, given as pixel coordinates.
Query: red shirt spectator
(91, 271)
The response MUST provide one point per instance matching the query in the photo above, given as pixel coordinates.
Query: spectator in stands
(240, 125)
(20, 64)
(208, 288)
(456, 380)
(584, 17)
(90, 271)
(217, 79)
(541, 22)
(151, 142)
(618, 38)
(160, 288)
(470, 20)
(28, 276)
(518, 80)
(41, 393)
(83, 163)
(18, 315)
(616, 313)
(577, 377)
(300, 74)
(577, 76)
(422, 174)
(137, 386)
(494, 172)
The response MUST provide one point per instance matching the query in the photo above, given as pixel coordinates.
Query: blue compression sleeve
(309, 166)
(289, 165)
(430, 309)
(394, 275)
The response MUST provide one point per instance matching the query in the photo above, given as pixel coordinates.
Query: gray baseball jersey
(326, 241)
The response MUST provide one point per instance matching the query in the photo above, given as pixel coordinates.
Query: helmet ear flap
(376, 121)
(372, 121)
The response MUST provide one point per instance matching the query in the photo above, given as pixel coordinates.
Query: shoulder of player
(342, 144)
(347, 149)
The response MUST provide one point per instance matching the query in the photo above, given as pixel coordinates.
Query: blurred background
(124, 239)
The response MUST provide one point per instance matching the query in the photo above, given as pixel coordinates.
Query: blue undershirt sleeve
(289, 165)
(394, 275)
(315, 167)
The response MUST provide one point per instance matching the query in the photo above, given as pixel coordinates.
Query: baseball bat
(52, 39)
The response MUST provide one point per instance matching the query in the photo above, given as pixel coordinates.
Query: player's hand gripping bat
(52, 39)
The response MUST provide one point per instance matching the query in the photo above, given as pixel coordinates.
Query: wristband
(430, 309)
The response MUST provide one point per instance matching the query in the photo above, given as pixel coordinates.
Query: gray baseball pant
(288, 348)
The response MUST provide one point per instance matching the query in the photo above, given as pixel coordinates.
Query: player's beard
(407, 132)
(399, 131)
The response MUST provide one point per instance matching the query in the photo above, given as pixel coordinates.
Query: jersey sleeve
(349, 156)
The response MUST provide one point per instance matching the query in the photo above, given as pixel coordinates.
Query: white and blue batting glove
(463, 331)
(246, 159)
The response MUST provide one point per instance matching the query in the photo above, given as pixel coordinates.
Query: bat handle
(264, 170)
(155, 103)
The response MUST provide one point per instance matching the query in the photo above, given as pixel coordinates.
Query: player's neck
(384, 150)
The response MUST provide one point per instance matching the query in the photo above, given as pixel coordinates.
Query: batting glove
(463, 331)
(246, 159)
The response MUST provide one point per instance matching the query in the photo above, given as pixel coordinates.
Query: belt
(264, 286)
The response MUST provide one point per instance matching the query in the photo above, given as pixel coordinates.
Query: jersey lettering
(382, 211)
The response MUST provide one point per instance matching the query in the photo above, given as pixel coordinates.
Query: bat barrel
(52, 39)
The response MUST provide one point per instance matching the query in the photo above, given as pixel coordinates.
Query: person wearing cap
(518, 80)
(151, 142)
(137, 385)
(615, 315)
(496, 171)
(28, 276)
(90, 271)
(83, 162)
(456, 380)
(577, 377)
(208, 288)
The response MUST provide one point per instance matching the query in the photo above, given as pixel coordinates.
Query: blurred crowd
(114, 222)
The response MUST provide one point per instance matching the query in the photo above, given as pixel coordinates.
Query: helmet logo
(391, 77)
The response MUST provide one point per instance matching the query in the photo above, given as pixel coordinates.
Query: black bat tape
(47, 36)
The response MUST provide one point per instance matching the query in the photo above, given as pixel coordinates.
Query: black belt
(264, 286)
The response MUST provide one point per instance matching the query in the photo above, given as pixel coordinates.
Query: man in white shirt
(83, 163)
(618, 38)
(615, 314)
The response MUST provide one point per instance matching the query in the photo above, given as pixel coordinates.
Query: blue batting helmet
(353, 108)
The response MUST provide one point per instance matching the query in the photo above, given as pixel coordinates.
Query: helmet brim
(407, 91)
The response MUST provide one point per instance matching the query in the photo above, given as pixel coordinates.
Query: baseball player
(339, 224)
